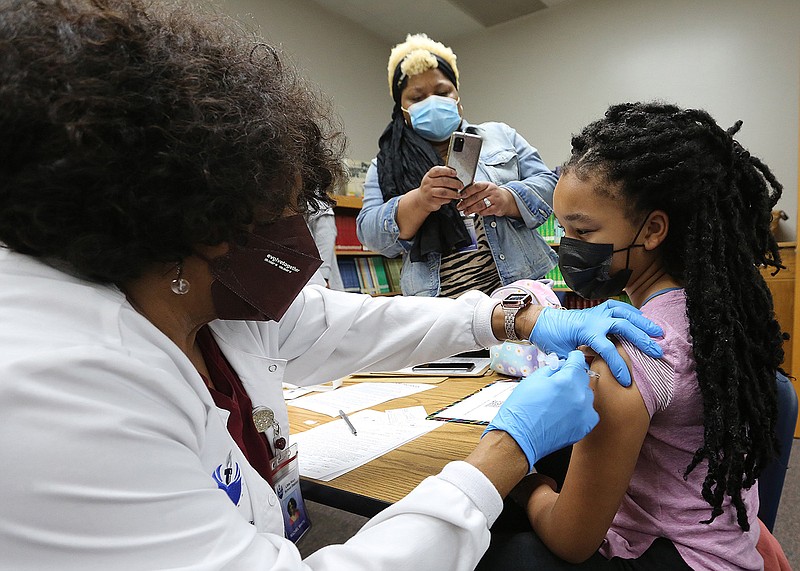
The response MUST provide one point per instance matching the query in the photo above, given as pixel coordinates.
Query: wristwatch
(511, 304)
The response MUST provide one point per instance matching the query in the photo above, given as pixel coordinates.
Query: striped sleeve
(654, 377)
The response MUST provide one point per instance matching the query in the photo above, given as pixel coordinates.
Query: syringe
(552, 361)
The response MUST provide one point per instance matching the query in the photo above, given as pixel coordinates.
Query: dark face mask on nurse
(586, 266)
(264, 271)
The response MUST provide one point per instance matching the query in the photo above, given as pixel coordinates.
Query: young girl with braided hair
(664, 204)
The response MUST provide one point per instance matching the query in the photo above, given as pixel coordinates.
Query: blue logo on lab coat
(229, 479)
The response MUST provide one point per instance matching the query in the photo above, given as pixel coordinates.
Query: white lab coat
(109, 436)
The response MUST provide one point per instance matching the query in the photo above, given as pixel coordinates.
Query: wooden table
(381, 482)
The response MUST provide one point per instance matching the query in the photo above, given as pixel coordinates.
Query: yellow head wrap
(417, 55)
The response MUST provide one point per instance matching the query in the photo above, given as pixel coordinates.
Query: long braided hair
(719, 200)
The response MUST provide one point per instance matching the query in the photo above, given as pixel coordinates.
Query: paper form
(291, 391)
(331, 450)
(480, 407)
(408, 415)
(289, 394)
(356, 397)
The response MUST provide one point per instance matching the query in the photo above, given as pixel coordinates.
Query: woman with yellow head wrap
(452, 238)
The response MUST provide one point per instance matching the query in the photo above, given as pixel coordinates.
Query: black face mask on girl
(586, 266)
(263, 273)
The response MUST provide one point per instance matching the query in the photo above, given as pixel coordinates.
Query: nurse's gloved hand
(549, 409)
(558, 331)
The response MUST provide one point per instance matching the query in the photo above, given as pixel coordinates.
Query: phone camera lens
(458, 144)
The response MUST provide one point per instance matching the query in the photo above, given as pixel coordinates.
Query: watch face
(517, 300)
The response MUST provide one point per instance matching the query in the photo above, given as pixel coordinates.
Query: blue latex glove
(551, 408)
(558, 331)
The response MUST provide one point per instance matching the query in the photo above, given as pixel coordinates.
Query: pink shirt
(659, 502)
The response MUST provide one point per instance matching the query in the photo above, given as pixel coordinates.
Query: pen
(228, 470)
(347, 421)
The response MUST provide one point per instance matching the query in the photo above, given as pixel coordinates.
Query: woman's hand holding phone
(438, 187)
(501, 201)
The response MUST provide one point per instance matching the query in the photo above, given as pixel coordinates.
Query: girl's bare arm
(574, 522)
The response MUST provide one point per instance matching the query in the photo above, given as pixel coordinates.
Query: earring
(180, 285)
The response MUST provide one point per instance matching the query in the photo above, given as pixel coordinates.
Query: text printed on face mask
(282, 264)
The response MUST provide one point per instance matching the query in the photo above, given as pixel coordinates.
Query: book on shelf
(380, 274)
(368, 271)
(366, 274)
(349, 273)
(550, 230)
(346, 237)
(364, 277)
(393, 267)
(571, 300)
(558, 279)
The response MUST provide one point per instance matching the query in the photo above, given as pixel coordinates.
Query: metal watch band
(509, 320)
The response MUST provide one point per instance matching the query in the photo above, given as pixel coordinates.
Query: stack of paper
(331, 450)
(480, 407)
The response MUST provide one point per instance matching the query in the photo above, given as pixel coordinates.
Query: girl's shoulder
(668, 310)
(657, 378)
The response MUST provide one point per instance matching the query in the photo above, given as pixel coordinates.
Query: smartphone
(445, 366)
(463, 154)
(479, 353)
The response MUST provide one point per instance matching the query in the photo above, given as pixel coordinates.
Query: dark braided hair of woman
(719, 199)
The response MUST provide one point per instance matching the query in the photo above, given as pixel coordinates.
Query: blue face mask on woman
(435, 117)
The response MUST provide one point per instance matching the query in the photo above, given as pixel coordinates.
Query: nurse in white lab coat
(146, 160)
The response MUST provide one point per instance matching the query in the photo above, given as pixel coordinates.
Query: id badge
(286, 480)
(469, 224)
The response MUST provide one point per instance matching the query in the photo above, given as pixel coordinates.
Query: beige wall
(342, 59)
(552, 72)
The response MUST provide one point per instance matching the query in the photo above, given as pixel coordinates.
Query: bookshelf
(362, 270)
(782, 287)
(792, 315)
(346, 201)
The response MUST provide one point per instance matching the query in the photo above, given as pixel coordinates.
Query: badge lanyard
(469, 224)
(286, 478)
(264, 419)
(284, 475)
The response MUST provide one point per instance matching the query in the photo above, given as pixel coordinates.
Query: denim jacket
(519, 252)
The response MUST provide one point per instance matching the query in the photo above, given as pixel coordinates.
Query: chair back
(770, 484)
